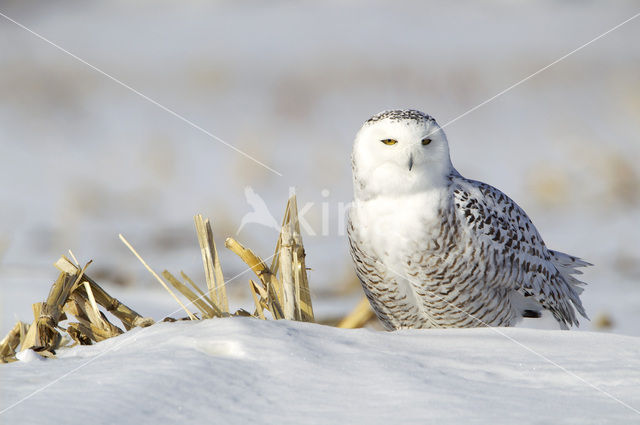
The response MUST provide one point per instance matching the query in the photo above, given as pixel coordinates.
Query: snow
(243, 370)
(27, 356)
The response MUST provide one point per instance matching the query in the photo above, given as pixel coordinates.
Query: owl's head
(399, 152)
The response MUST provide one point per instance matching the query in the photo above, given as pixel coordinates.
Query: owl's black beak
(410, 162)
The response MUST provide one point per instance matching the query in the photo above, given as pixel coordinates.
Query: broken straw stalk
(72, 294)
(282, 289)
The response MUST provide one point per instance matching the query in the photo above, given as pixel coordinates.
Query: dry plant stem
(158, 278)
(261, 291)
(75, 294)
(269, 280)
(52, 310)
(259, 310)
(221, 288)
(252, 260)
(79, 333)
(92, 325)
(297, 280)
(36, 308)
(92, 299)
(30, 337)
(264, 299)
(211, 262)
(266, 275)
(10, 343)
(198, 290)
(291, 243)
(73, 257)
(306, 308)
(302, 283)
(207, 256)
(207, 311)
(24, 328)
(289, 305)
(359, 316)
(274, 305)
(129, 318)
(42, 333)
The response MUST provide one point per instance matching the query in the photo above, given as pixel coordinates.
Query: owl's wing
(509, 239)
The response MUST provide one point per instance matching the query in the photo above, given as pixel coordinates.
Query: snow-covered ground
(234, 371)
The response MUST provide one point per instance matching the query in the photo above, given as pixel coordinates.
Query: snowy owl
(433, 249)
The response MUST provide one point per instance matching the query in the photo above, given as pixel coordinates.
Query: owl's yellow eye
(389, 141)
(426, 141)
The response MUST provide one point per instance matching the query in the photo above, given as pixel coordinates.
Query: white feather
(434, 249)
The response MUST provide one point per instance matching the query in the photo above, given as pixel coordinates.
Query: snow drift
(240, 370)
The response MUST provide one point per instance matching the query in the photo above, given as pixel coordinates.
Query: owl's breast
(394, 227)
(386, 236)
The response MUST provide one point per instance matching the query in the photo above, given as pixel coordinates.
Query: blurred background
(83, 158)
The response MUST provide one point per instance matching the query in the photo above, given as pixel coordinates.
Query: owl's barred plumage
(434, 249)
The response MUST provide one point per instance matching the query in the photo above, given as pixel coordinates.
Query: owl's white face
(399, 152)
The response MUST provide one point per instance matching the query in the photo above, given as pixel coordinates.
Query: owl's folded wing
(508, 238)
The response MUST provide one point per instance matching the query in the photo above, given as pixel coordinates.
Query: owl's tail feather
(568, 266)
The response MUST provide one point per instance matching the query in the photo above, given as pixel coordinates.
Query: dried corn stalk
(283, 290)
(92, 323)
(129, 318)
(286, 297)
(42, 335)
(73, 294)
(10, 343)
(158, 278)
(295, 284)
(211, 263)
(207, 308)
(359, 316)
(270, 283)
